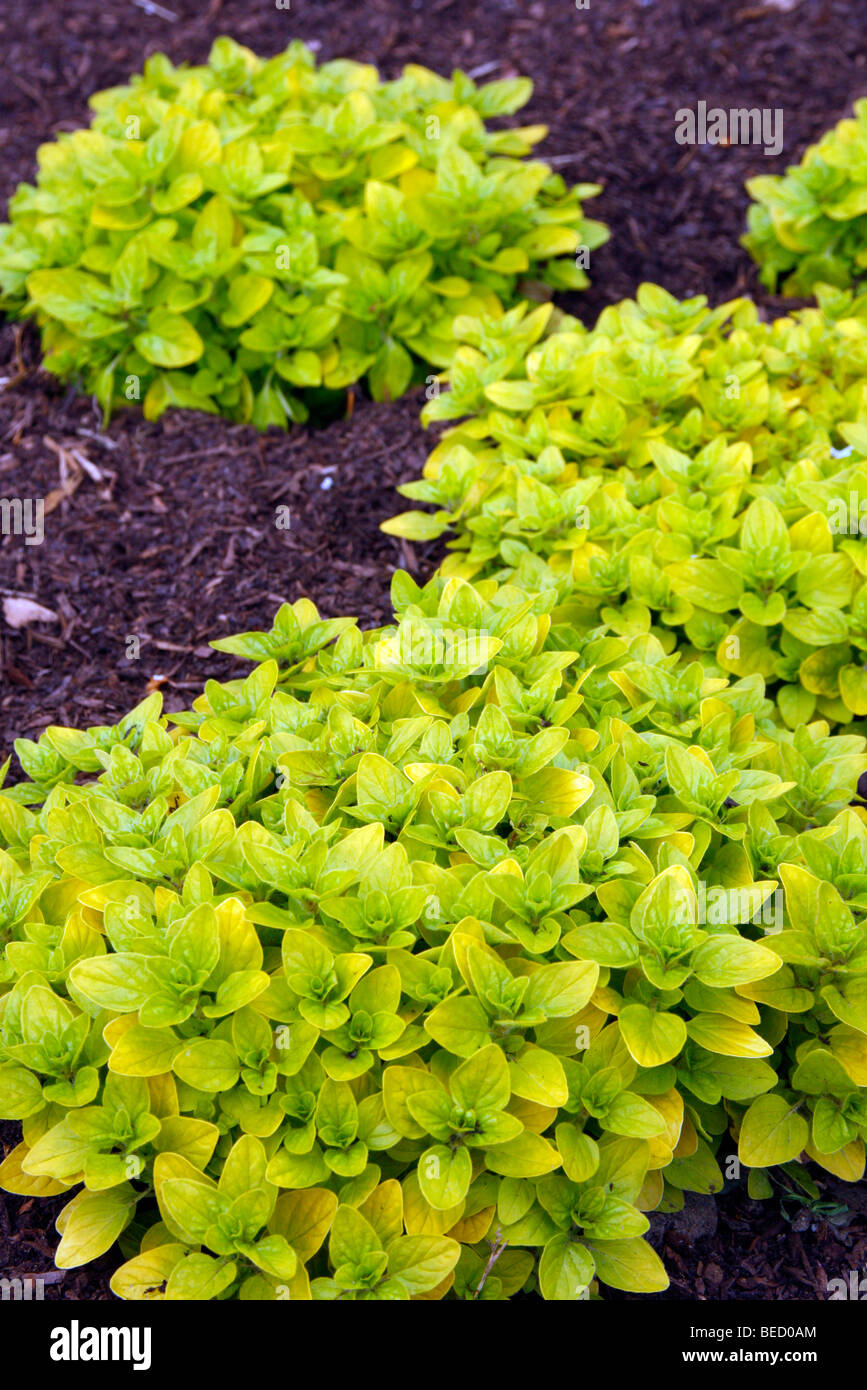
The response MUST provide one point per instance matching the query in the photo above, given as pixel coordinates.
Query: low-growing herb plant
(251, 236)
(809, 227)
(426, 962)
(689, 472)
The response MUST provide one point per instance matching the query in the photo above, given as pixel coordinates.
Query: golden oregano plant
(252, 236)
(425, 962)
(809, 227)
(696, 473)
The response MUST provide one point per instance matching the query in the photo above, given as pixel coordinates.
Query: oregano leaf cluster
(251, 237)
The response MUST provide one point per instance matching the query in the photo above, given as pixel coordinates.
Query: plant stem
(497, 1249)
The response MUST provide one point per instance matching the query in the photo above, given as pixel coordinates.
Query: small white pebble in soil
(326, 484)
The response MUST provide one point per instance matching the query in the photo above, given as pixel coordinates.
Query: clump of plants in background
(809, 227)
(250, 236)
(695, 474)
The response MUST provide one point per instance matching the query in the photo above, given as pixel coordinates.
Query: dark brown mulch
(181, 537)
(175, 542)
(28, 1241)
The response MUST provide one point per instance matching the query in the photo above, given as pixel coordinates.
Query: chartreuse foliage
(247, 236)
(809, 227)
(692, 473)
(426, 962)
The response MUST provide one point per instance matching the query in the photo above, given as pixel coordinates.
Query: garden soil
(162, 536)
